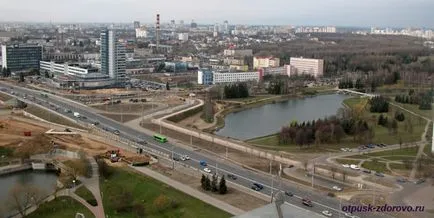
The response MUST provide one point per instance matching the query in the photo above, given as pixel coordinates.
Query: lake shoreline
(220, 124)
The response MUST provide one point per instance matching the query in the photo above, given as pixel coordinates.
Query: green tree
(203, 182)
(223, 189)
(214, 187)
(207, 184)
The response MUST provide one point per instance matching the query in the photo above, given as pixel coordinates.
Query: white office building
(314, 67)
(65, 69)
(141, 32)
(233, 77)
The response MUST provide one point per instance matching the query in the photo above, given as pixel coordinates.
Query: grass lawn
(271, 142)
(396, 166)
(427, 150)
(375, 166)
(346, 161)
(412, 151)
(61, 207)
(144, 191)
(51, 117)
(382, 134)
(415, 108)
(84, 193)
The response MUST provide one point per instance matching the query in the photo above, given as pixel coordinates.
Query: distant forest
(356, 53)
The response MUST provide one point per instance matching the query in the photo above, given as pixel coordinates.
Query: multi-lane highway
(244, 176)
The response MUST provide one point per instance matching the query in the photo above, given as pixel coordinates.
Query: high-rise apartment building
(112, 55)
(314, 67)
(20, 57)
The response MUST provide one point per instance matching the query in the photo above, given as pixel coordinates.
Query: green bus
(160, 138)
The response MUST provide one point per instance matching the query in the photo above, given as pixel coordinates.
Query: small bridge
(349, 91)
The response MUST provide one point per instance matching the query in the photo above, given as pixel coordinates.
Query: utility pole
(313, 174)
(173, 159)
(160, 126)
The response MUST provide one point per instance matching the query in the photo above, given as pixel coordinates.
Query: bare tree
(23, 196)
(333, 170)
(344, 176)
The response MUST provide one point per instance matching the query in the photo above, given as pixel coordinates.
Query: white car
(326, 213)
(337, 188)
(348, 215)
(207, 170)
(346, 165)
(183, 158)
(187, 157)
(343, 149)
(354, 167)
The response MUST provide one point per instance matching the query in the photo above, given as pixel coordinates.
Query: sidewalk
(190, 191)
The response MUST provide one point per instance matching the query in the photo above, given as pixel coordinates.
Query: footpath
(190, 191)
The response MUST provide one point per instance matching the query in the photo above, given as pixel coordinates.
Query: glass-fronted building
(21, 57)
(113, 61)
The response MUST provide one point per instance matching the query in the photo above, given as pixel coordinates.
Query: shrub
(161, 203)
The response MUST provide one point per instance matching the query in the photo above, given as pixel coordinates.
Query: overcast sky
(399, 13)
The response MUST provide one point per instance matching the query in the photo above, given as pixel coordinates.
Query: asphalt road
(245, 177)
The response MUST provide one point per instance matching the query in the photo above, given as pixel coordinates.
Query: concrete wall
(224, 142)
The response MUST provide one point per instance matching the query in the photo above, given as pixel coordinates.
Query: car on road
(379, 174)
(337, 188)
(306, 202)
(346, 165)
(116, 132)
(202, 163)
(346, 149)
(354, 167)
(186, 157)
(401, 180)
(289, 194)
(256, 188)
(419, 181)
(176, 159)
(232, 176)
(207, 170)
(370, 145)
(367, 171)
(260, 186)
(350, 215)
(327, 213)
(290, 166)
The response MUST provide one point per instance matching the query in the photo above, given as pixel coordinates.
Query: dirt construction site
(13, 129)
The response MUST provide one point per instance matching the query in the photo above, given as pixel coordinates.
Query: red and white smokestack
(158, 21)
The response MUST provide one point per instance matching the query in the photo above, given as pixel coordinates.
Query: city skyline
(393, 13)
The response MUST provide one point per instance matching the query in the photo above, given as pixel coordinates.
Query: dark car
(401, 180)
(95, 123)
(379, 174)
(367, 171)
(232, 176)
(419, 181)
(256, 188)
(383, 145)
(290, 194)
(291, 166)
(176, 159)
(260, 186)
(307, 202)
